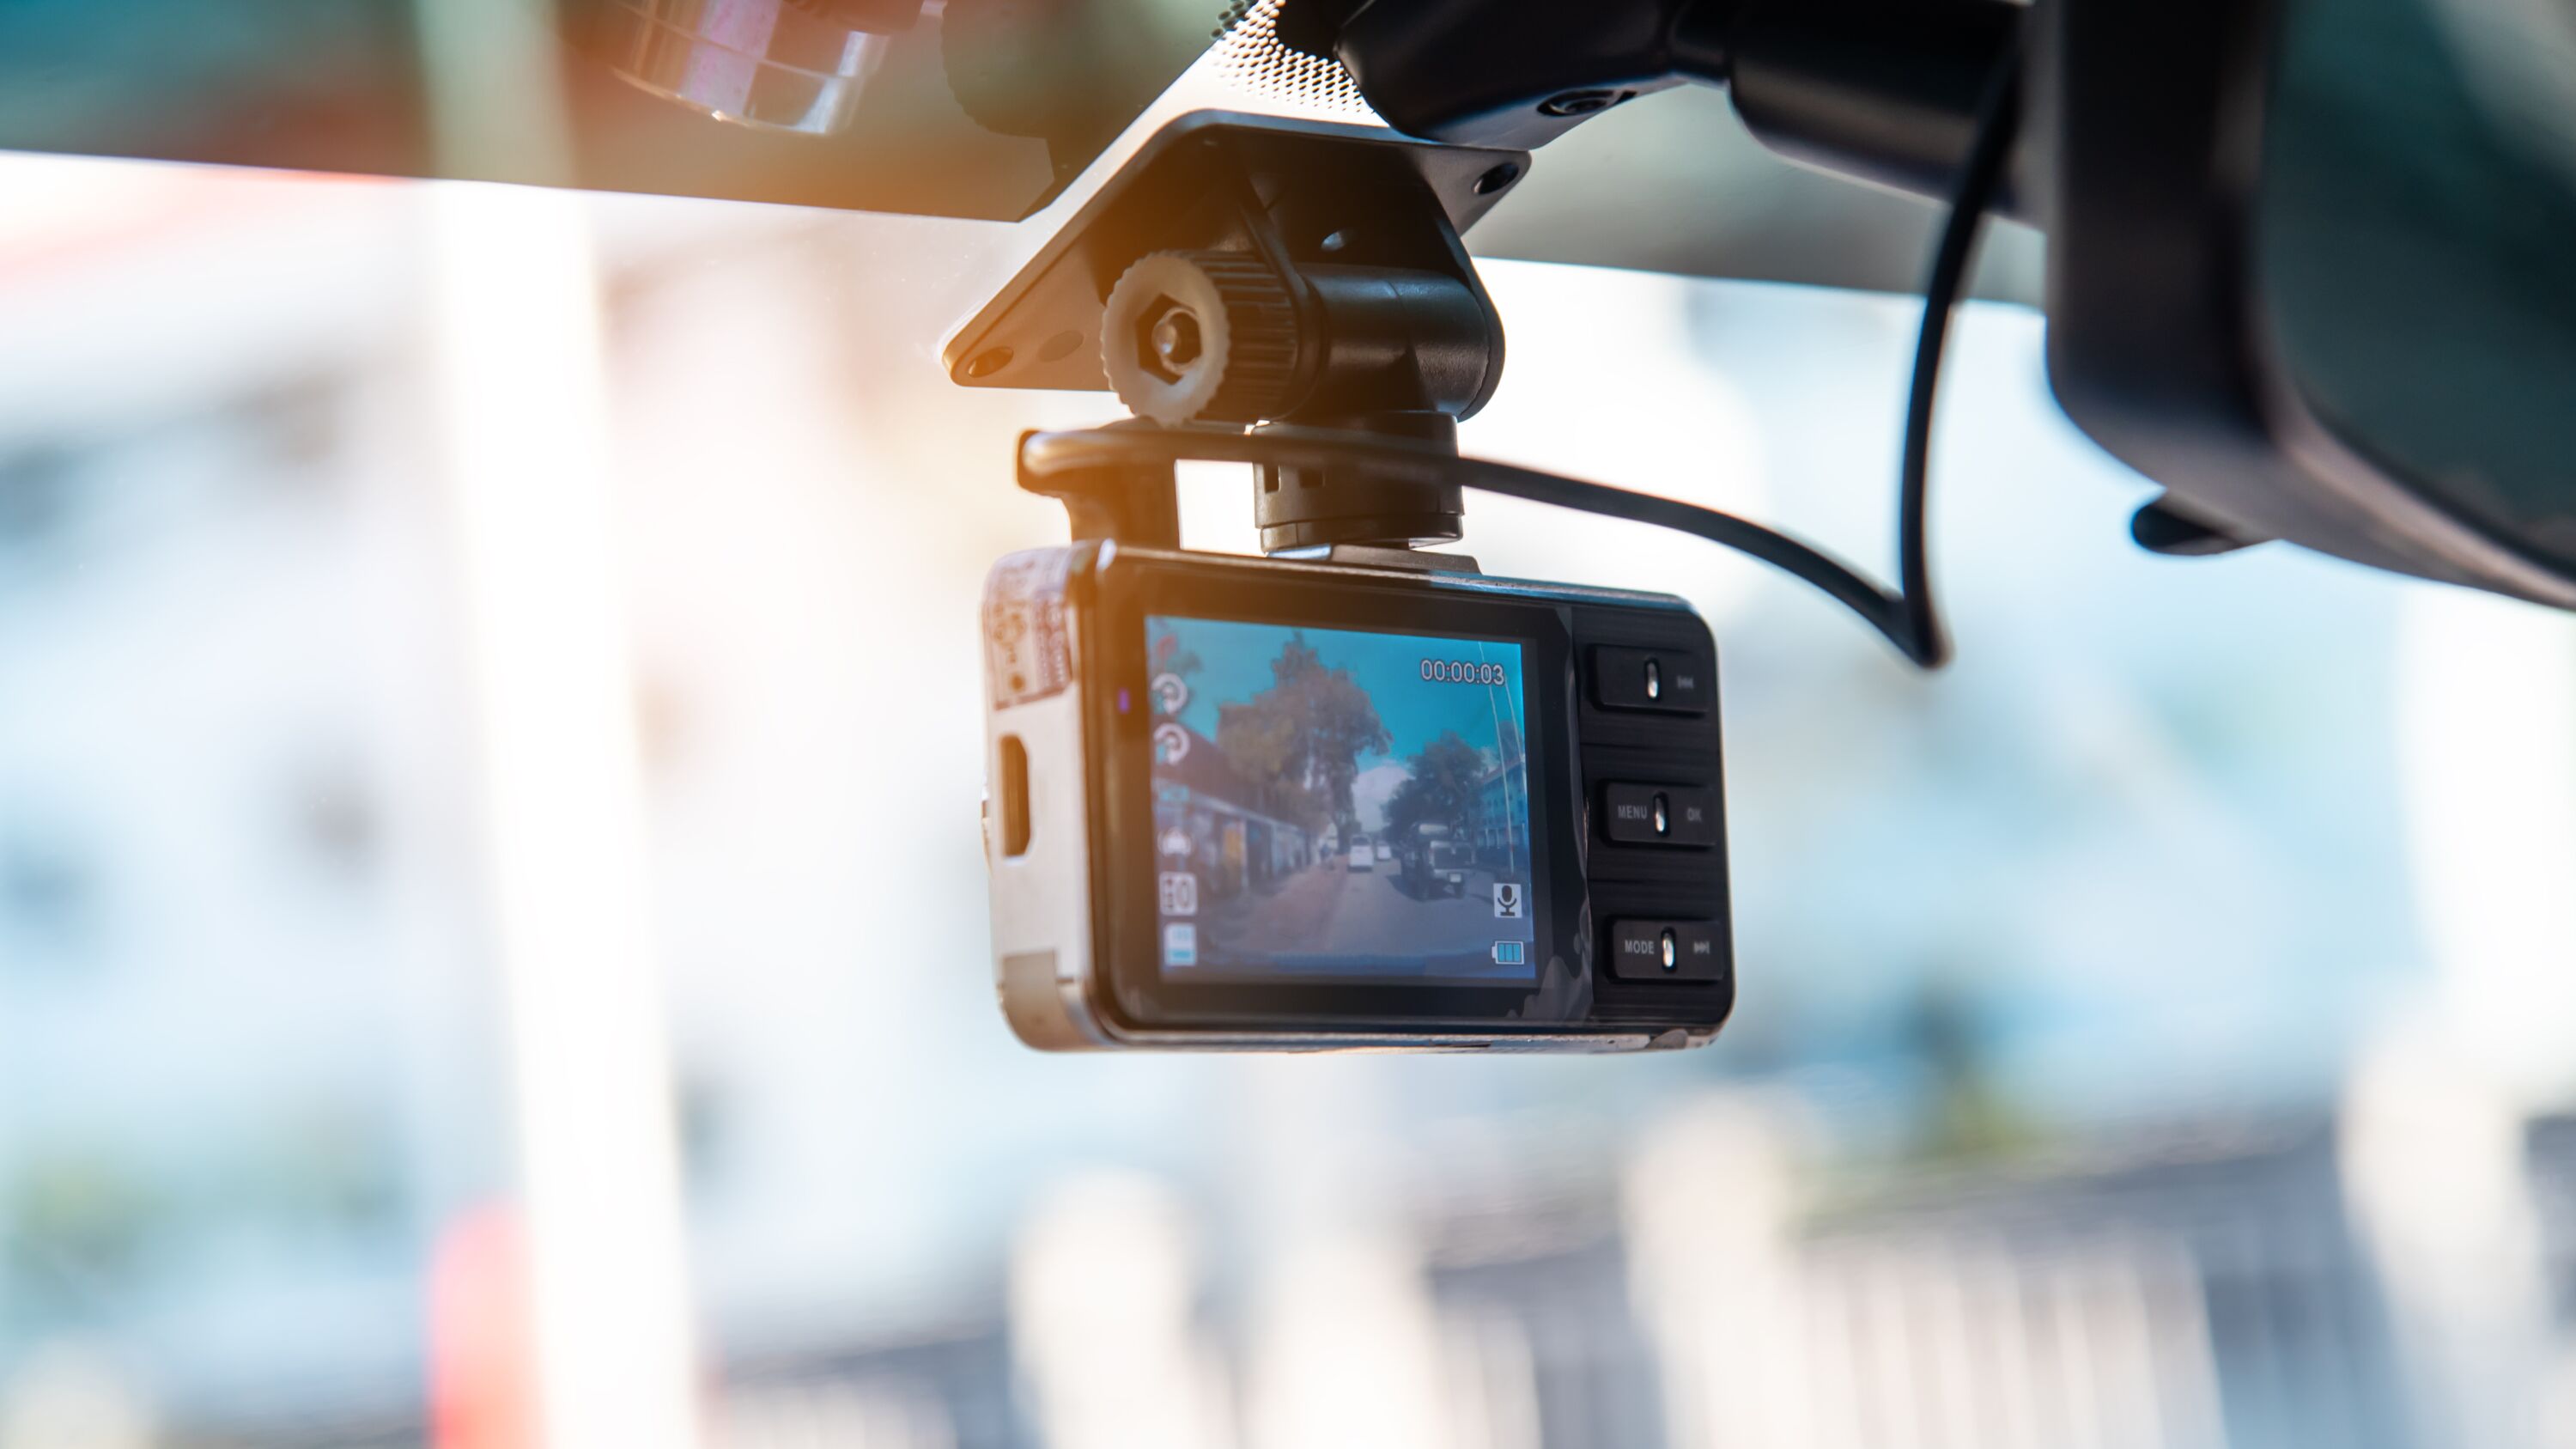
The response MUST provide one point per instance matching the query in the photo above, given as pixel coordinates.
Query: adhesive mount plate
(1180, 190)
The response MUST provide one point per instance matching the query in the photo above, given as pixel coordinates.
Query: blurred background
(491, 903)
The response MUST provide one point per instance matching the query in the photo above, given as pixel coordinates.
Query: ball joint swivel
(1259, 274)
(1223, 337)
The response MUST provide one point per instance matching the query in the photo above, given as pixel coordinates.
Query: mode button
(1666, 951)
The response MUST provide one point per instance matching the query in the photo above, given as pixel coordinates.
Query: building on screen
(1498, 820)
(1232, 844)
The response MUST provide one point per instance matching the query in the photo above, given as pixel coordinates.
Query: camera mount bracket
(1294, 296)
(1246, 273)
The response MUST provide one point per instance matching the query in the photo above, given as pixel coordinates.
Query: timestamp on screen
(1463, 671)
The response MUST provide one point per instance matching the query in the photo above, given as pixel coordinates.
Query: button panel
(1665, 681)
(1647, 731)
(1666, 951)
(1683, 815)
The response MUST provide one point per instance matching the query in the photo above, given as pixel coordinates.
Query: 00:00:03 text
(1460, 671)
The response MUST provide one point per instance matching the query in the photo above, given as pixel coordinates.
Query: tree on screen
(1299, 741)
(1507, 737)
(1439, 786)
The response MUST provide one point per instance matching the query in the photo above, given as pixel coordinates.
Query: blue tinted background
(2159, 1027)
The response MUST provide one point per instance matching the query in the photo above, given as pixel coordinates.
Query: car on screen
(1435, 867)
(1363, 854)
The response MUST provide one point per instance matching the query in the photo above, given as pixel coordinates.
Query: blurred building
(256, 1117)
(2231, 1286)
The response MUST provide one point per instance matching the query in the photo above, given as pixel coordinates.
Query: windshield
(492, 910)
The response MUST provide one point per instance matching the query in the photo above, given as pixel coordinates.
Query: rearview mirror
(2312, 267)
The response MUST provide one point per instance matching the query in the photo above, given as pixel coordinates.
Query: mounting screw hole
(987, 362)
(1581, 103)
(1497, 178)
(1176, 339)
(1060, 346)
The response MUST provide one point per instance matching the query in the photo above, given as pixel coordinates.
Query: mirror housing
(2170, 341)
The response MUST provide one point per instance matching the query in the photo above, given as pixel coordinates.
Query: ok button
(1649, 814)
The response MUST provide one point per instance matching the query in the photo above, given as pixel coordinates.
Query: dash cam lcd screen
(1333, 804)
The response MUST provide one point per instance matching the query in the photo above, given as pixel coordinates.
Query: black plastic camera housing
(1608, 928)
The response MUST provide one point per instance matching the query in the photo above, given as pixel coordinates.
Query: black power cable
(1906, 615)
(1989, 156)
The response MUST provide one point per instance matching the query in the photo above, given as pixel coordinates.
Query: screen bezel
(1126, 913)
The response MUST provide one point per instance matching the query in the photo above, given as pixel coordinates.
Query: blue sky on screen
(1234, 665)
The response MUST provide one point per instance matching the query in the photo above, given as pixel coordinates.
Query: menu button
(1659, 814)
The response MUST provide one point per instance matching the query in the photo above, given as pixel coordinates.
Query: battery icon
(1507, 953)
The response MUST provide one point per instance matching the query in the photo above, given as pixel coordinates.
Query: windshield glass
(492, 908)
(981, 108)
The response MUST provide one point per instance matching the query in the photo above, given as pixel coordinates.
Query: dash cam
(1244, 803)
(1355, 794)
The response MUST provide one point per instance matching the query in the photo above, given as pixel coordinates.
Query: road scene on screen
(1335, 803)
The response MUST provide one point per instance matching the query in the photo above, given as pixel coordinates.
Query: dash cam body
(1260, 804)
